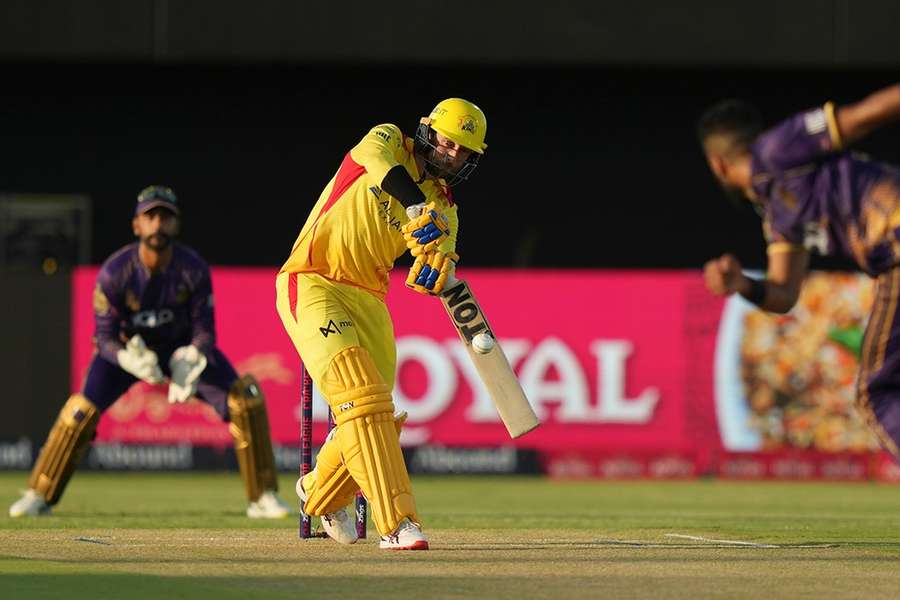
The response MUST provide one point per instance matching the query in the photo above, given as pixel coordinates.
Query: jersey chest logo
(815, 237)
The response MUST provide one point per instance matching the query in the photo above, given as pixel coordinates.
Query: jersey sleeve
(449, 245)
(108, 312)
(203, 330)
(377, 151)
(800, 139)
(781, 239)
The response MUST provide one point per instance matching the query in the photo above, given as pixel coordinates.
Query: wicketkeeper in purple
(817, 196)
(153, 307)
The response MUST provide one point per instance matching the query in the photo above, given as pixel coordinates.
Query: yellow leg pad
(371, 450)
(252, 443)
(329, 485)
(69, 438)
(367, 436)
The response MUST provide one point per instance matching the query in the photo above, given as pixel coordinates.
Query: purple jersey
(168, 309)
(828, 201)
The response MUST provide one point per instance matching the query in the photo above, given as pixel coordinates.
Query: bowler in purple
(154, 314)
(815, 195)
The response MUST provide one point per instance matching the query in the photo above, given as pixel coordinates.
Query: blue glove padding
(427, 231)
(430, 272)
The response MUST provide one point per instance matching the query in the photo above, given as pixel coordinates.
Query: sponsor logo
(465, 312)
(671, 467)
(334, 328)
(815, 237)
(621, 468)
(436, 459)
(743, 468)
(790, 468)
(375, 190)
(153, 318)
(385, 212)
(383, 135)
(16, 455)
(150, 458)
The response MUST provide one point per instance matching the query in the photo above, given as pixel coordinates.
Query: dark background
(246, 110)
(586, 166)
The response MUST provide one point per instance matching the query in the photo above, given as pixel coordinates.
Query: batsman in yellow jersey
(330, 296)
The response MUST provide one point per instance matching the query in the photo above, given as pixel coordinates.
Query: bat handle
(415, 211)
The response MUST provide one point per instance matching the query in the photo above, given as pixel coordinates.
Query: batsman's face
(448, 154)
(156, 228)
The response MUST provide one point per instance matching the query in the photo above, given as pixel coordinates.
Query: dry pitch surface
(183, 536)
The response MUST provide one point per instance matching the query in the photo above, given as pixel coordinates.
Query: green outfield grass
(185, 536)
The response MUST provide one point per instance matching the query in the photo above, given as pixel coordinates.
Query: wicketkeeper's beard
(157, 241)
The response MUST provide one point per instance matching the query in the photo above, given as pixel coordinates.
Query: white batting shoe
(407, 536)
(340, 525)
(268, 506)
(31, 504)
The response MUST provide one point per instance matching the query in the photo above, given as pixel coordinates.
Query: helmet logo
(467, 123)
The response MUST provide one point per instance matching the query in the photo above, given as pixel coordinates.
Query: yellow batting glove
(427, 231)
(430, 272)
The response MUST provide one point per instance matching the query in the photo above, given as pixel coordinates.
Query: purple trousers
(878, 385)
(106, 382)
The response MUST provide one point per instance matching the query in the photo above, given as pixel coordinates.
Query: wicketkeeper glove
(426, 231)
(431, 271)
(140, 361)
(186, 364)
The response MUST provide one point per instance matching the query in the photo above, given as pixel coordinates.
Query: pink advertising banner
(611, 361)
(632, 373)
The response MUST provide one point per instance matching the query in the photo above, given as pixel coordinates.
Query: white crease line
(698, 538)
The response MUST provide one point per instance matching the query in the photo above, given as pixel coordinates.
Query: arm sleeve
(107, 317)
(801, 139)
(781, 240)
(203, 328)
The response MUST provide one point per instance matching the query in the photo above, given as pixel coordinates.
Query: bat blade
(493, 367)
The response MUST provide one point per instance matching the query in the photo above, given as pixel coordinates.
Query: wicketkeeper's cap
(156, 195)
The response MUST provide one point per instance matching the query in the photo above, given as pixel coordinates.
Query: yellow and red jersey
(353, 234)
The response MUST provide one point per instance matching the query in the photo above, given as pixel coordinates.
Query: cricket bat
(492, 365)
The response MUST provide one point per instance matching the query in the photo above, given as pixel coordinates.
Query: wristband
(757, 292)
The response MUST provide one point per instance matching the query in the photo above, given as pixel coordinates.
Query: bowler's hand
(723, 275)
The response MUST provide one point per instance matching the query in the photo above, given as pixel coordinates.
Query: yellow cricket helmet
(461, 121)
